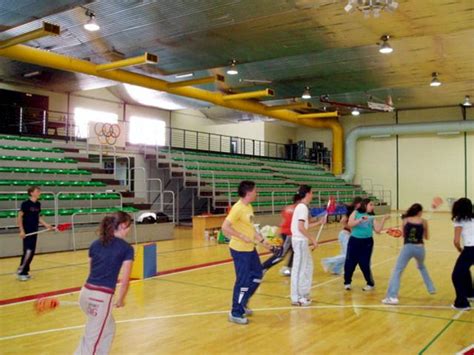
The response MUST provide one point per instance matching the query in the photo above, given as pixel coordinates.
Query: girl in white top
(302, 271)
(463, 219)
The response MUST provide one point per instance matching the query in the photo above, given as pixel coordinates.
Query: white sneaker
(285, 271)
(237, 320)
(368, 288)
(390, 300)
(468, 308)
(23, 277)
(347, 287)
(302, 302)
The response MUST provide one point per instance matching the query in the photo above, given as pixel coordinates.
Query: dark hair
(245, 187)
(31, 189)
(413, 210)
(110, 224)
(462, 210)
(363, 205)
(302, 192)
(351, 207)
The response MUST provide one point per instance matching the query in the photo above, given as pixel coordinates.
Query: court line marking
(341, 276)
(197, 314)
(437, 336)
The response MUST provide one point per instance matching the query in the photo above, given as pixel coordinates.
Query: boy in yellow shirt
(248, 269)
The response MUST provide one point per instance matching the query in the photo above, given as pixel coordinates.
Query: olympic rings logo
(107, 133)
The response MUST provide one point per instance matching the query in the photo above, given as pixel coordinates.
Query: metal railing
(56, 202)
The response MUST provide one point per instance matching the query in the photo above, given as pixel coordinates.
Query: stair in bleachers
(277, 180)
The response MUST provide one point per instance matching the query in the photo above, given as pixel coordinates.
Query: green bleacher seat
(219, 168)
(238, 177)
(45, 196)
(25, 139)
(223, 162)
(38, 159)
(44, 171)
(32, 149)
(51, 183)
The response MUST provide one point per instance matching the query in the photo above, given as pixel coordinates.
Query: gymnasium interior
(161, 108)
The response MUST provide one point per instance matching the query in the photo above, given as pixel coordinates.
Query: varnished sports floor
(185, 310)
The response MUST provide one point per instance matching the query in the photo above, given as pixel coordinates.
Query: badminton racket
(46, 304)
(60, 228)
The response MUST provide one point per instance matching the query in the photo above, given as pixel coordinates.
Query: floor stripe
(427, 346)
(200, 314)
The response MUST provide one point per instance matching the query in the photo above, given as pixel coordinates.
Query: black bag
(162, 218)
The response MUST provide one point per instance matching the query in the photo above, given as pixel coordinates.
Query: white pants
(100, 326)
(302, 270)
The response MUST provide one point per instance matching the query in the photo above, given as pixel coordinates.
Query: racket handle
(39, 232)
(319, 233)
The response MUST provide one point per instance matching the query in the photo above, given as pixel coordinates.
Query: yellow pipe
(145, 58)
(46, 30)
(291, 106)
(249, 95)
(198, 81)
(318, 115)
(61, 62)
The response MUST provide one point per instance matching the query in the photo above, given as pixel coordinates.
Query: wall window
(83, 116)
(147, 131)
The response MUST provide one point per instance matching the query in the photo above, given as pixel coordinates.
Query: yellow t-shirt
(241, 217)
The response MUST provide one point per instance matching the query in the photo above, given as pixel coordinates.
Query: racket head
(64, 227)
(437, 201)
(45, 304)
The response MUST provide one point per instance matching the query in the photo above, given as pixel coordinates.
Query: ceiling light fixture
(385, 47)
(467, 101)
(306, 94)
(371, 7)
(185, 75)
(434, 79)
(355, 112)
(233, 68)
(91, 24)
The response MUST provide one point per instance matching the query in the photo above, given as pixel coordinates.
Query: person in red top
(285, 232)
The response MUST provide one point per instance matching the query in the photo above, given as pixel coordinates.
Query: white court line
(340, 277)
(198, 314)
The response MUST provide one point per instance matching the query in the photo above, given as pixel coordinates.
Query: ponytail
(110, 224)
(413, 211)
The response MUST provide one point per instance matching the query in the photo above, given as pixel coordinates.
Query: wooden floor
(185, 310)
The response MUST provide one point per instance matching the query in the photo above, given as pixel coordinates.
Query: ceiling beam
(197, 81)
(290, 106)
(249, 95)
(47, 29)
(145, 58)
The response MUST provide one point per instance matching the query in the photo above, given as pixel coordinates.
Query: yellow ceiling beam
(61, 62)
(197, 81)
(318, 115)
(146, 58)
(290, 106)
(47, 29)
(249, 95)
